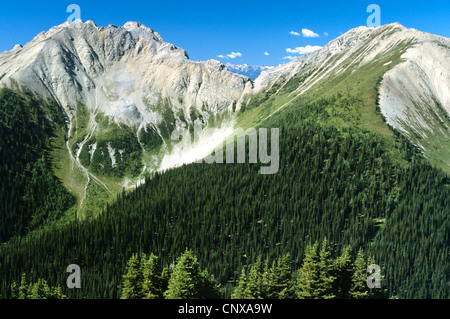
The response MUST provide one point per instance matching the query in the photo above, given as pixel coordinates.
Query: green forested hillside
(337, 181)
(30, 195)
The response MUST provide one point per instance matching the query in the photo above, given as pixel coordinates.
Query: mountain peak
(395, 24)
(17, 47)
(363, 29)
(134, 24)
(120, 71)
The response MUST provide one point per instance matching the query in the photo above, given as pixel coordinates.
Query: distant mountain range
(252, 71)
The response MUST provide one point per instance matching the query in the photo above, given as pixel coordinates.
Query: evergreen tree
(376, 293)
(165, 277)
(133, 279)
(208, 288)
(39, 290)
(280, 284)
(308, 275)
(254, 282)
(359, 289)
(188, 281)
(152, 282)
(241, 289)
(326, 278)
(266, 279)
(23, 288)
(343, 273)
(14, 291)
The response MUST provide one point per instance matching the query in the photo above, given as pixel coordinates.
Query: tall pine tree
(152, 281)
(188, 281)
(133, 279)
(240, 291)
(359, 288)
(326, 269)
(343, 271)
(280, 283)
(308, 274)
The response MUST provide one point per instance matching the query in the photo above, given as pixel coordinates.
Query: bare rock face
(413, 92)
(125, 72)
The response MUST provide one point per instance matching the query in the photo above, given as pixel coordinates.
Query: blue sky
(252, 32)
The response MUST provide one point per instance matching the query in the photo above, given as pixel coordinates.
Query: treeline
(336, 181)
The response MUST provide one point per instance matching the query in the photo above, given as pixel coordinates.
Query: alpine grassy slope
(350, 171)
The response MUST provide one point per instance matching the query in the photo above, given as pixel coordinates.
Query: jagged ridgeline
(352, 169)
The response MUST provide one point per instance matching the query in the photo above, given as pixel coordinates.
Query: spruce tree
(151, 278)
(240, 290)
(376, 293)
(280, 284)
(359, 289)
(266, 280)
(308, 274)
(23, 288)
(165, 277)
(133, 280)
(326, 278)
(188, 281)
(14, 291)
(254, 281)
(343, 273)
(37, 290)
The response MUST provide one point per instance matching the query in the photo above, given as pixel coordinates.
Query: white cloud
(266, 53)
(325, 34)
(290, 57)
(234, 55)
(309, 34)
(294, 33)
(303, 50)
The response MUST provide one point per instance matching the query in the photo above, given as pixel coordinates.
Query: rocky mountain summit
(125, 72)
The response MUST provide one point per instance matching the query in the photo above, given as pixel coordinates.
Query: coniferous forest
(241, 234)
